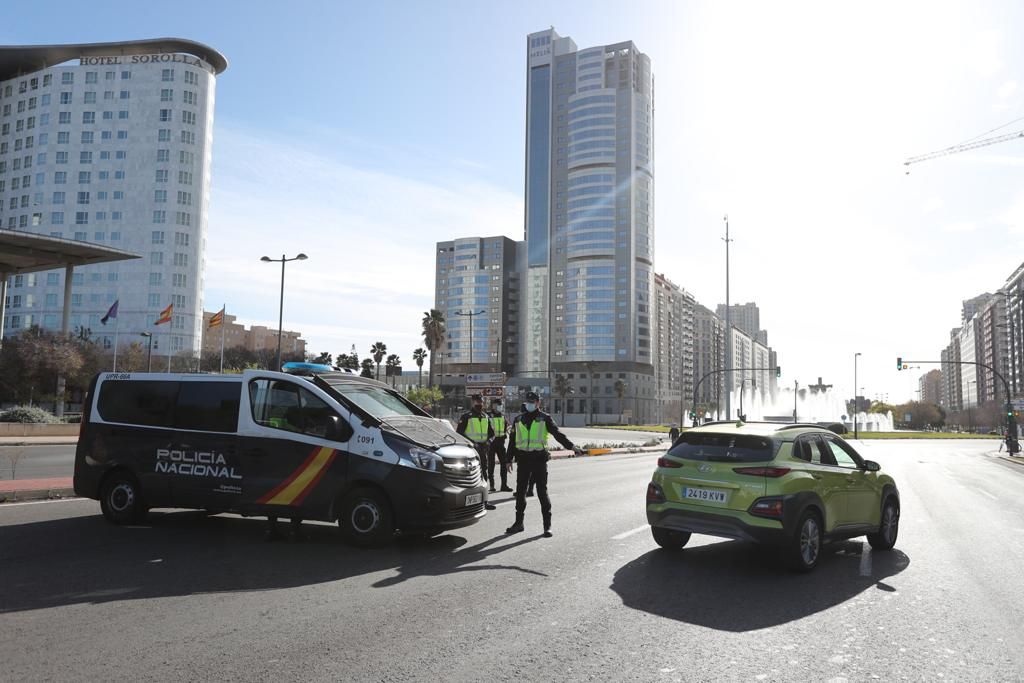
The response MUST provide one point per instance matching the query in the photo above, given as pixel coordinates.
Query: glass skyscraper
(589, 220)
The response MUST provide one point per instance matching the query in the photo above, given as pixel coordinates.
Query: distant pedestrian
(673, 434)
(476, 426)
(529, 446)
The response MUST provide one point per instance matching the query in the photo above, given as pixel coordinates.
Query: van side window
(208, 406)
(285, 405)
(137, 402)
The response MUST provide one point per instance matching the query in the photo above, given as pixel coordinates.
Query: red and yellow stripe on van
(294, 489)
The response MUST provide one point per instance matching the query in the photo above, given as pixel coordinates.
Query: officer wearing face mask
(529, 446)
(476, 426)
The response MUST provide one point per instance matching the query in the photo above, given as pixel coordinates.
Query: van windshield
(379, 403)
(708, 447)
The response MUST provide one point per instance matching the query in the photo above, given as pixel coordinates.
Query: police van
(330, 446)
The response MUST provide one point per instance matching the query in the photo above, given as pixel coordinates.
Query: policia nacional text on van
(330, 447)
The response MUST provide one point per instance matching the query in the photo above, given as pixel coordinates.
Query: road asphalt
(187, 597)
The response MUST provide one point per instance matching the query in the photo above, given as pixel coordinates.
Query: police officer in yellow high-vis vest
(529, 447)
(497, 451)
(476, 426)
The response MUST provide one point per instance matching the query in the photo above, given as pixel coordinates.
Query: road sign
(492, 392)
(486, 378)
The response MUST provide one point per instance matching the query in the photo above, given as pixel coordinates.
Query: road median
(20, 490)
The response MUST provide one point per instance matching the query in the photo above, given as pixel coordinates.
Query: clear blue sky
(361, 133)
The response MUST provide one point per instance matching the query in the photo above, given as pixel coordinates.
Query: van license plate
(705, 494)
(474, 498)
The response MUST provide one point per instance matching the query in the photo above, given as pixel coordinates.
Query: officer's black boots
(517, 527)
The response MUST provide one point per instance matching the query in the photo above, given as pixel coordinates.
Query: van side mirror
(337, 429)
(871, 466)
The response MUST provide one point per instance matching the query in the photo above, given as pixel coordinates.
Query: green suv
(790, 485)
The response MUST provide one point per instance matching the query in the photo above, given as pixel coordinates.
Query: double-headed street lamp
(471, 315)
(149, 362)
(280, 310)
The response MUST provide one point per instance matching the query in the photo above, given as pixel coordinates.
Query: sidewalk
(36, 489)
(38, 441)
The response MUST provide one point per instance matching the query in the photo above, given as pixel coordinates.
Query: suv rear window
(710, 447)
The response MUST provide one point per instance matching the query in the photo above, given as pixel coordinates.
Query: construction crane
(967, 146)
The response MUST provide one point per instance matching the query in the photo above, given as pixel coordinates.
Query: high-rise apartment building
(1013, 290)
(930, 386)
(747, 317)
(589, 213)
(674, 348)
(709, 356)
(476, 288)
(111, 143)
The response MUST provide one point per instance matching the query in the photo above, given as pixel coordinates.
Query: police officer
(497, 450)
(476, 426)
(529, 447)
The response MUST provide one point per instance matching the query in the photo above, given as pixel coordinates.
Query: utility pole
(796, 386)
(728, 327)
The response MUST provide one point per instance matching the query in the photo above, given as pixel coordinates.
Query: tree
(367, 366)
(323, 359)
(393, 368)
(349, 361)
(425, 397)
(620, 391)
(562, 389)
(419, 355)
(433, 337)
(378, 350)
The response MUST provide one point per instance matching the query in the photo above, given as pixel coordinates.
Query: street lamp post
(856, 403)
(149, 360)
(280, 309)
(970, 414)
(471, 315)
(728, 326)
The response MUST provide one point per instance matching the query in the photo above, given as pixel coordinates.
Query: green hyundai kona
(789, 485)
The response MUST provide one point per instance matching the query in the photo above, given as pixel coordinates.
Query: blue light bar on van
(297, 368)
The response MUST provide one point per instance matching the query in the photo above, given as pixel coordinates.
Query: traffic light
(778, 371)
(899, 362)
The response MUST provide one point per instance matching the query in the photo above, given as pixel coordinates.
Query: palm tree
(419, 355)
(620, 391)
(378, 350)
(433, 337)
(393, 367)
(367, 368)
(562, 389)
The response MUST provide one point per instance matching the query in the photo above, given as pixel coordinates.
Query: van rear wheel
(366, 518)
(121, 499)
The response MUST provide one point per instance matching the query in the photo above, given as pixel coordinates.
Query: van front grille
(464, 473)
(464, 513)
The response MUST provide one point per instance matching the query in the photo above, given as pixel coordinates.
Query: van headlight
(422, 459)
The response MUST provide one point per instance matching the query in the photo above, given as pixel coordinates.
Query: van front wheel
(366, 518)
(121, 499)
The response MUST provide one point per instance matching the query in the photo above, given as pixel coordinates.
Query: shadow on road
(734, 586)
(86, 560)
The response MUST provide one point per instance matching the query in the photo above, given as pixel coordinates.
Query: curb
(17, 444)
(1016, 460)
(36, 494)
(595, 452)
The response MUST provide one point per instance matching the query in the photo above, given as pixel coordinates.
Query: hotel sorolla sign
(161, 58)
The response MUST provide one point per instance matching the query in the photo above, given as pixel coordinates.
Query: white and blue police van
(329, 446)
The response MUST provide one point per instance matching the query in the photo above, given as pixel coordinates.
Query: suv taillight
(772, 472)
(767, 507)
(655, 494)
(665, 462)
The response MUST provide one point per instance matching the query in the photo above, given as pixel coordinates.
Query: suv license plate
(705, 494)
(474, 498)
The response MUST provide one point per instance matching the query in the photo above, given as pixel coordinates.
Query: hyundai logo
(704, 467)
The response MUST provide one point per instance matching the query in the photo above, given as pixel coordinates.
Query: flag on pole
(111, 313)
(216, 319)
(165, 315)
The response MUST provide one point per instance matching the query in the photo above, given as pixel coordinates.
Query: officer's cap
(532, 396)
(475, 398)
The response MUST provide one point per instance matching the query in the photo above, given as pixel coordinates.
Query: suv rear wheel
(669, 539)
(889, 528)
(804, 549)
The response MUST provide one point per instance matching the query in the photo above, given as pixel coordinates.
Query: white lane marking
(865, 559)
(39, 502)
(983, 491)
(631, 532)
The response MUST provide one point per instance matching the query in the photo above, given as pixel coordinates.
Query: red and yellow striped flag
(216, 319)
(165, 315)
